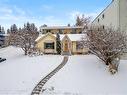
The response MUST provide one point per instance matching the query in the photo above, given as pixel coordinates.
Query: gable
(48, 36)
(66, 38)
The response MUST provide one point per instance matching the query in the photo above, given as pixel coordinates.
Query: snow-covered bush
(34, 52)
(107, 44)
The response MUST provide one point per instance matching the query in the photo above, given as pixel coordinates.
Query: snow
(82, 75)
(72, 37)
(85, 75)
(19, 74)
(39, 37)
(61, 27)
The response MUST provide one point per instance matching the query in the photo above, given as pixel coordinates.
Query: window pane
(49, 45)
(79, 45)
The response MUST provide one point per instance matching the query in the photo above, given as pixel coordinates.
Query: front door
(66, 46)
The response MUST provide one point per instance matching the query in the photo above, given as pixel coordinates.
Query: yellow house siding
(77, 51)
(73, 47)
(61, 30)
(63, 45)
(67, 31)
(48, 38)
(66, 40)
(54, 31)
(79, 30)
(66, 44)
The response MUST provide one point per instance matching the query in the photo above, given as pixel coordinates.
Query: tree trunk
(113, 68)
(25, 51)
(108, 61)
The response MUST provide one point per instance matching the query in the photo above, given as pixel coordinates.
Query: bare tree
(107, 44)
(44, 25)
(82, 21)
(25, 37)
(2, 31)
(11, 39)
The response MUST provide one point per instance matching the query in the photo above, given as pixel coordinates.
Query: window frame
(49, 45)
(79, 46)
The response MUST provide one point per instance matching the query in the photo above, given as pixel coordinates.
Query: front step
(66, 53)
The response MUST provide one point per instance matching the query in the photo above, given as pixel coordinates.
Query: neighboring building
(2, 36)
(70, 43)
(3, 40)
(62, 29)
(114, 16)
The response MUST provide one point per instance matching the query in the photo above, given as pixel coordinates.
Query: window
(103, 27)
(79, 45)
(103, 16)
(42, 31)
(80, 32)
(73, 31)
(98, 19)
(49, 45)
(61, 31)
(48, 31)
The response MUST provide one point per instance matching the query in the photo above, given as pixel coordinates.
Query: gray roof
(61, 27)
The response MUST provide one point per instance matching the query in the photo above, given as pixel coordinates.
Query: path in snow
(39, 87)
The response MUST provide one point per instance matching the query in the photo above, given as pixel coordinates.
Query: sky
(50, 12)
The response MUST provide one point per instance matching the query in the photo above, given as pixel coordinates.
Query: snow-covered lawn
(85, 75)
(82, 75)
(19, 74)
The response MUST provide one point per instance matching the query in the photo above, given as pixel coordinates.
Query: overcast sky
(50, 12)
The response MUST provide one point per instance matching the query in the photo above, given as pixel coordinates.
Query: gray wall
(123, 15)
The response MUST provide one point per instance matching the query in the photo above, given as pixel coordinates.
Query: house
(70, 43)
(113, 16)
(61, 29)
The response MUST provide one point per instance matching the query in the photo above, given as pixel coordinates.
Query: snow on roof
(61, 27)
(39, 37)
(73, 37)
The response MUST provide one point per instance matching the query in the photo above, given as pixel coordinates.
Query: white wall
(111, 18)
(123, 15)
